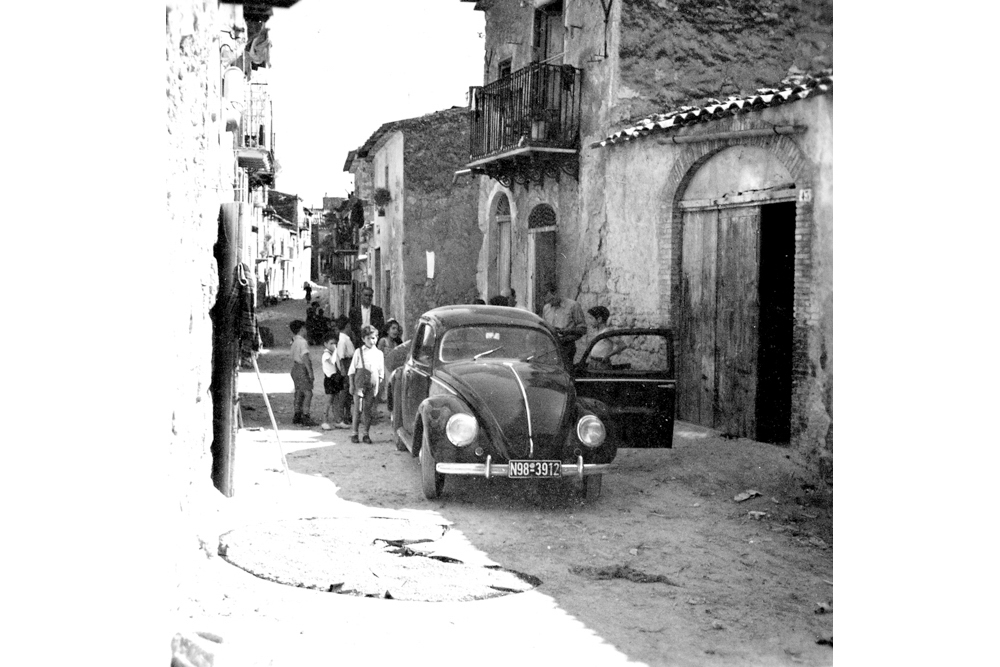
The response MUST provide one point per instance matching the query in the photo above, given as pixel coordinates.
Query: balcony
(526, 126)
(255, 149)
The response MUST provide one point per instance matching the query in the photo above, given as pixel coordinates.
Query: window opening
(503, 69)
(542, 215)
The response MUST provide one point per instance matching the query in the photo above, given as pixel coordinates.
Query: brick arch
(670, 243)
(670, 229)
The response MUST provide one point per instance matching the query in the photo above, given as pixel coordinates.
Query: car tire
(431, 481)
(592, 486)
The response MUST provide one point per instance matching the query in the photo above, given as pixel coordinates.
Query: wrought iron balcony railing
(537, 106)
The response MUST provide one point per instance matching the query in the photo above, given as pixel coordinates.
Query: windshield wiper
(483, 354)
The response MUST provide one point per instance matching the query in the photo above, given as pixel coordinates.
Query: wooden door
(736, 331)
(718, 326)
(503, 256)
(696, 372)
(545, 266)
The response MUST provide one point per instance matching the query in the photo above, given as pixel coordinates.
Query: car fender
(433, 415)
(607, 452)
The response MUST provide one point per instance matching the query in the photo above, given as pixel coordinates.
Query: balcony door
(501, 247)
(548, 33)
(542, 230)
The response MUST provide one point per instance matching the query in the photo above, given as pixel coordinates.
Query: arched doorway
(737, 286)
(500, 246)
(542, 228)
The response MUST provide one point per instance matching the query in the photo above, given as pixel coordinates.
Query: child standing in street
(333, 379)
(365, 377)
(302, 375)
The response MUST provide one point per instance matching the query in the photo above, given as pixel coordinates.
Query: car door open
(632, 372)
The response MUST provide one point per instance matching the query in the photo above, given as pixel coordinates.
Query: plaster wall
(388, 228)
(198, 168)
(440, 215)
(192, 207)
(630, 191)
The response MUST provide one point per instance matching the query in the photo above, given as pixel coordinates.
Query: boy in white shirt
(365, 396)
(334, 382)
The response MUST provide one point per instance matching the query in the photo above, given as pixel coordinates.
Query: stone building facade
(422, 245)
(217, 172)
(608, 215)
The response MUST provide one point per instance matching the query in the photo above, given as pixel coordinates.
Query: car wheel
(431, 480)
(592, 486)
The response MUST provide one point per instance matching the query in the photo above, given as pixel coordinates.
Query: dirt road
(667, 566)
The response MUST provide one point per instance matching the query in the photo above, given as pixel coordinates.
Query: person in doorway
(302, 375)
(365, 386)
(566, 317)
(342, 355)
(499, 300)
(365, 314)
(601, 353)
(309, 291)
(511, 297)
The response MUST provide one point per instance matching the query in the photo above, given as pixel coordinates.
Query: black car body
(484, 392)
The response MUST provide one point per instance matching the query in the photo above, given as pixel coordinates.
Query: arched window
(542, 215)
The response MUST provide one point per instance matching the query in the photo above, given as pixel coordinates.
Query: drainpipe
(722, 136)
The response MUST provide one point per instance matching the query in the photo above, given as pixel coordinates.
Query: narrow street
(665, 568)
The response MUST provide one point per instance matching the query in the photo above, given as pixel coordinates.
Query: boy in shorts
(333, 380)
(302, 375)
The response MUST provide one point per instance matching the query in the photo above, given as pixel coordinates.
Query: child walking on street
(365, 377)
(302, 375)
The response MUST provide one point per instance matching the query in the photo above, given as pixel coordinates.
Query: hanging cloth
(247, 330)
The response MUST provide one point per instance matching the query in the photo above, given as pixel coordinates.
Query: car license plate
(526, 469)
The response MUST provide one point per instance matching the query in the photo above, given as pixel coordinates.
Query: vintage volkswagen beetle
(484, 392)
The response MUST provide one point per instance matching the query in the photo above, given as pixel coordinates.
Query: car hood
(494, 390)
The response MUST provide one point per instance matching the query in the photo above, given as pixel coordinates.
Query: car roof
(467, 314)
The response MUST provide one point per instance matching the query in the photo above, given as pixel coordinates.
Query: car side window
(631, 353)
(423, 344)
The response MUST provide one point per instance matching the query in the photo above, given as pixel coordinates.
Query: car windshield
(498, 342)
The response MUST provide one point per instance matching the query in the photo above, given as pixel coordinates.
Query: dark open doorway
(545, 266)
(777, 281)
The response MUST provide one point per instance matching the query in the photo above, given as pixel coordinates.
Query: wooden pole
(274, 423)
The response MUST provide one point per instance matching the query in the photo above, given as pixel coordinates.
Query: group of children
(341, 364)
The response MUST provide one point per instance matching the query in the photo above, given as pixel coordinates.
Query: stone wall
(674, 53)
(439, 214)
(193, 97)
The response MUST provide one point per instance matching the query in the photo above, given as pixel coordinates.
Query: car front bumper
(490, 469)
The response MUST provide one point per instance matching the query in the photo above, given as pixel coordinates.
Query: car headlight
(590, 431)
(461, 429)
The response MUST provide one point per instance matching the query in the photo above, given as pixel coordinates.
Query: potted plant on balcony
(382, 197)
